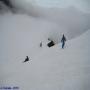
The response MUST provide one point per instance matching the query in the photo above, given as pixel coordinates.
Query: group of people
(63, 40)
(51, 43)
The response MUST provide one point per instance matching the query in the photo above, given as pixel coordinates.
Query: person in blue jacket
(63, 40)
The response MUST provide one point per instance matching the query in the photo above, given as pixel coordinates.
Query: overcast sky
(82, 4)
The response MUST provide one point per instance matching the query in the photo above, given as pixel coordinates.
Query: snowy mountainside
(52, 68)
(49, 68)
(24, 33)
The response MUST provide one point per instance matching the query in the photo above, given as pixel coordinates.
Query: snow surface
(49, 68)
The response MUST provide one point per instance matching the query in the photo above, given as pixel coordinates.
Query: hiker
(51, 43)
(27, 59)
(41, 44)
(63, 40)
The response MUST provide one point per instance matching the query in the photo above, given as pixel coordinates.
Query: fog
(69, 20)
(69, 17)
(83, 5)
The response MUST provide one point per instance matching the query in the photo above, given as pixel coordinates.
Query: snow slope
(52, 69)
(48, 68)
(24, 33)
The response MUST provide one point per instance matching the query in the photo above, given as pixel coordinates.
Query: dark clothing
(50, 44)
(41, 44)
(27, 59)
(63, 44)
(63, 40)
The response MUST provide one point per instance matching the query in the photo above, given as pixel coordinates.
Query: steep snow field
(22, 33)
(49, 68)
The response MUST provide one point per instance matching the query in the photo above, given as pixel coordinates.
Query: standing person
(41, 44)
(27, 59)
(63, 40)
